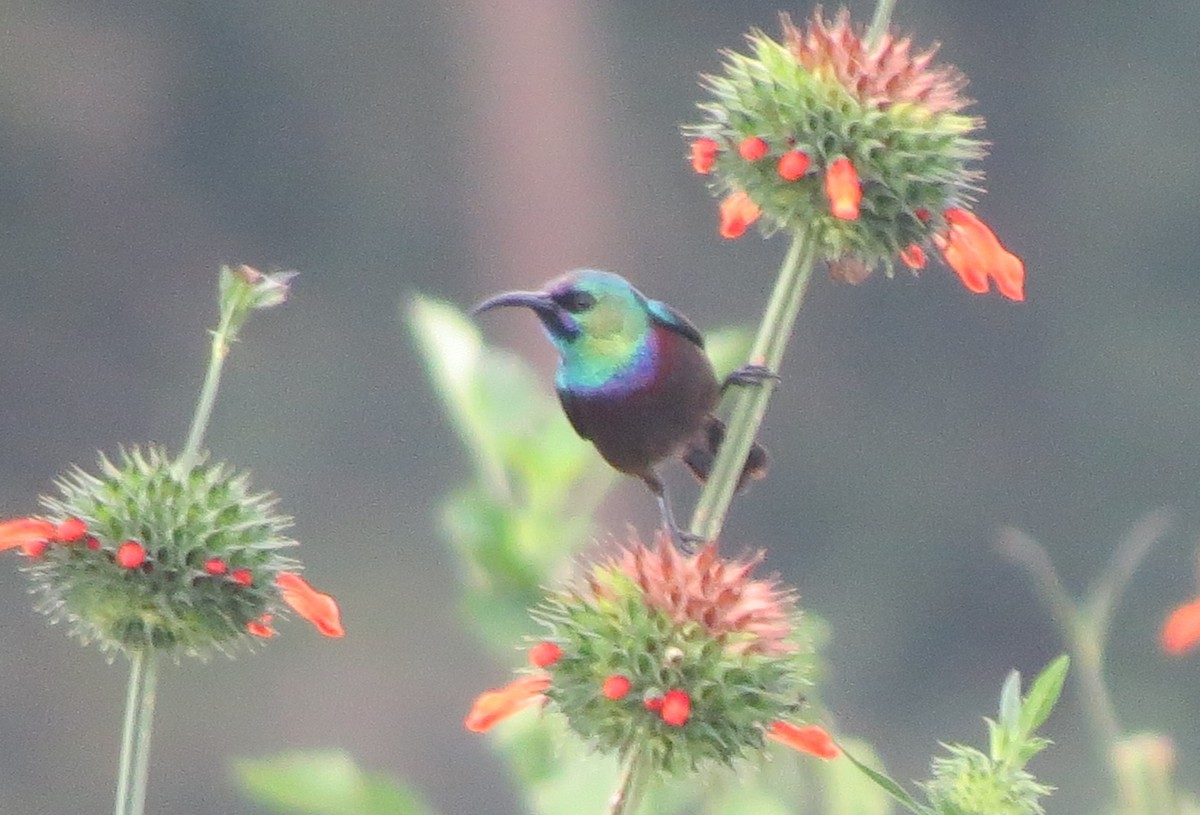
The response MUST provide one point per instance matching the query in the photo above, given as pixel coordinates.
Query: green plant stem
(880, 21)
(1080, 630)
(221, 338)
(749, 404)
(135, 735)
(631, 786)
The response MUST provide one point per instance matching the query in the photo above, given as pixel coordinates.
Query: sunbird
(633, 378)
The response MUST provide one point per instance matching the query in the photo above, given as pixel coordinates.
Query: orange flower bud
(544, 654)
(704, 155)
(753, 148)
(1181, 630)
(130, 555)
(70, 530)
(615, 687)
(676, 708)
(738, 211)
(810, 738)
(913, 256)
(843, 189)
(792, 165)
(261, 627)
(494, 706)
(318, 608)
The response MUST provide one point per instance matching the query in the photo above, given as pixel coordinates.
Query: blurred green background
(459, 148)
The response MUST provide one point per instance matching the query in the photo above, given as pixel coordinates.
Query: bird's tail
(702, 452)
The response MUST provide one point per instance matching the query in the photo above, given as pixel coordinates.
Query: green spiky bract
(909, 158)
(170, 603)
(736, 693)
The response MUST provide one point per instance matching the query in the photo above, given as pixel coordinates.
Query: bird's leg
(683, 539)
(749, 375)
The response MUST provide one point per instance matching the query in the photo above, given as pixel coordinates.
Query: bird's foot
(686, 542)
(750, 375)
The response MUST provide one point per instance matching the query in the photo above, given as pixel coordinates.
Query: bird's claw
(750, 375)
(685, 541)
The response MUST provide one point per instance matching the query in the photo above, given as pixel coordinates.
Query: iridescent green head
(598, 322)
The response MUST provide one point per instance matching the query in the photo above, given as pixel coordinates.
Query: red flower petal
(243, 577)
(753, 148)
(215, 566)
(70, 530)
(653, 703)
(792, 165)
(1181, 630)
(318, 608)
(809, 738)
(738, 211)
(913, 256)
(130, 555)
(25, 531)
(843, 189)
(494, 706)
(704, 155)
(544, 654)
(676, 708)
(261, 627)
(615, 687)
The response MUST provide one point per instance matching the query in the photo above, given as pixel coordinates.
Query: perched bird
(633, 377)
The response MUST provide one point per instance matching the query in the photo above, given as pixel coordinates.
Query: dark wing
(672, 320)
(573, 406)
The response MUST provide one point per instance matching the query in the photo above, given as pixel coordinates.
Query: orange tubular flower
(1181, 630)
(738, 211)
(974, 252)
(843, 189)
(810, 738)
(318, 608)
(25, 532)
(494, 706)
(704, 155)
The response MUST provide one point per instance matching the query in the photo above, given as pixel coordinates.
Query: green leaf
(1010, 703)
(846, 791)
(452, 349)
(323, 783)
(1043, 695)
(889, 786)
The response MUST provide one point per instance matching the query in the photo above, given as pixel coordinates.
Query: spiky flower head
(686, 657)
(143, 556)
(861, 145)
(968, 782)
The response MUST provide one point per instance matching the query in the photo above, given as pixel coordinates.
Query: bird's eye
(575, 301)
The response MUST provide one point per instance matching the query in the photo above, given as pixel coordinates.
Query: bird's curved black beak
(536, 300)
(553, 317)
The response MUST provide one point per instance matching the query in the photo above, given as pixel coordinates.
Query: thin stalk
(880, 21)
(208, 393)
(631, 786)
(749, 404)
(133, 770)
